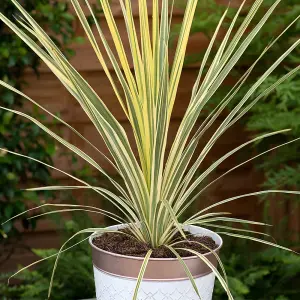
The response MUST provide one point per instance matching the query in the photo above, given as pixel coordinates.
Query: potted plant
(173, 260)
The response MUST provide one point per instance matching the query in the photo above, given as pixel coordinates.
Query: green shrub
(75, 278)
(257, 274)
(15, 132)
(279, 109)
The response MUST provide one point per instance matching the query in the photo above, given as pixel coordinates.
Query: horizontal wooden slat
(178, 8)
(116, 8)
(47, 91)
(86, 60)
(234, 137)
(50, 93)
(22, 255)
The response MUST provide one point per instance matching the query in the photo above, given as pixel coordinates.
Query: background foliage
(258, 274)
(16, 133)
(74, 278)
(279, 110)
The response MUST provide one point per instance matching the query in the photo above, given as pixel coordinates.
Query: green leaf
(8, 98)
(238, 286)
(51, 148)
(12, 61)
(7, 227)
(11, 176)
(281, 297)
(7, 116)
(8, 210)
(255, 276)
(79, 40)
(68, 16)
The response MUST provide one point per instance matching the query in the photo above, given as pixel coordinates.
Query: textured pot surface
(164, 279)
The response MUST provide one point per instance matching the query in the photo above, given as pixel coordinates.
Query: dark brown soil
(127, 245)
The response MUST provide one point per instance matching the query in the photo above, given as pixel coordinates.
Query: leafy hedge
(257, 274)
(74, 266)
(279, 110)
(16, 133)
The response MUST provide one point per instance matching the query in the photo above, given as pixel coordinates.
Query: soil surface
(128, 245)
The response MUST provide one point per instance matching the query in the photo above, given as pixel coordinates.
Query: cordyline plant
(159, 186)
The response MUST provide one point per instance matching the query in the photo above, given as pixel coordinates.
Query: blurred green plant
(15, 132)
(74, 266)
(259, 274)
(278, 110)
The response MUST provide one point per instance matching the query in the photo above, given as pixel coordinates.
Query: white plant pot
(164, 279)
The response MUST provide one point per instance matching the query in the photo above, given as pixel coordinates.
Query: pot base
(164, 278)
(110, 287)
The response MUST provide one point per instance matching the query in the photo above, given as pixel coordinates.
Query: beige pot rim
(165, 269)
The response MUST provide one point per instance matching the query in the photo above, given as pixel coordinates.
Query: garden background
(255, 272)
